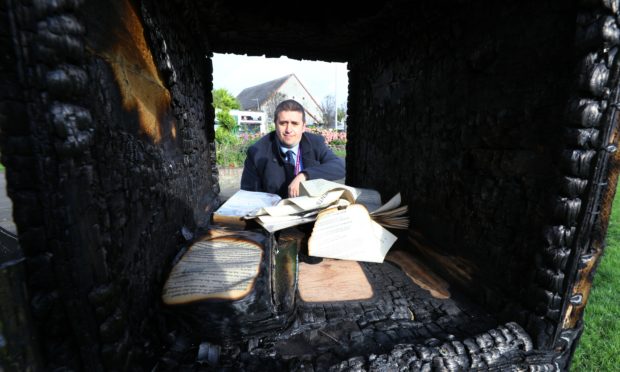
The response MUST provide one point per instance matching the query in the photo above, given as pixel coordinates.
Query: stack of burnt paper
(240, 282)
(349, 222)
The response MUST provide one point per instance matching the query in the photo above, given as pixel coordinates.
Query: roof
(247, 98)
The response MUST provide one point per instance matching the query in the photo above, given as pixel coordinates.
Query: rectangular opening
(254, 86)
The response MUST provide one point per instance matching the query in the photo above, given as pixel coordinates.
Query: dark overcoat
(265, 168)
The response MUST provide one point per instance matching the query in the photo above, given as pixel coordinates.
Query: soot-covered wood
(474, 108)
(497, 122)
(501, 153)
(103, 186)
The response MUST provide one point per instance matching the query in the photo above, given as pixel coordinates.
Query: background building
(265, 97)
(248, 121)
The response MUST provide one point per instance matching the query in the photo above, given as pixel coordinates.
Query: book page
(220, 268)
(244, 202)
(300, 204)
(275, 223)
(307, 203)
(284, 209)
(349, 234)
(319, 186)
(371, 199)
(391, 204)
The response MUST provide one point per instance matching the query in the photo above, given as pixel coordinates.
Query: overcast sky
(236, 72)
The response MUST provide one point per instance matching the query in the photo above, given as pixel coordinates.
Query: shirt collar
(294, 149)
(284, 149)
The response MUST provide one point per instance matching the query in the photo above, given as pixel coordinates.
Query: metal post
(335, 96)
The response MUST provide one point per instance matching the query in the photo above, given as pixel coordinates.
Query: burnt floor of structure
(323, 334)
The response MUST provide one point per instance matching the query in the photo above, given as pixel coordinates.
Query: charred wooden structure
(496, 120)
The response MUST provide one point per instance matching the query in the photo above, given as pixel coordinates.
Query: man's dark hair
(289, 105)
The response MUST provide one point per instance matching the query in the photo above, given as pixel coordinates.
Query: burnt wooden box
(496, 121)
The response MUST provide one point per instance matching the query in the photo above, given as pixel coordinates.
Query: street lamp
(257, 107)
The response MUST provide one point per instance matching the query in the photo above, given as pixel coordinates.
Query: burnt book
(349, 234)
(241, 204)
(231, 284)
(319, 195)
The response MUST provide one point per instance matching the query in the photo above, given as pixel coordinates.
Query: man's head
(290, 120)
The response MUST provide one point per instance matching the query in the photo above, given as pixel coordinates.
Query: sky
(237, 72)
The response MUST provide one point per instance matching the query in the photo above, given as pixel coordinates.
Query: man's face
(289, 127)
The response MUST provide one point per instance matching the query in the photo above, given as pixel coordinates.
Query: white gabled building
(262, 96)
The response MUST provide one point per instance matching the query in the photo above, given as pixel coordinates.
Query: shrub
(226, 121)
(223, 136)
(231, 152)
(230, 155)
(331, 137)
(231, 148)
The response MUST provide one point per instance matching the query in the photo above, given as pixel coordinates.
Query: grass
(341, 153)
(599, 347)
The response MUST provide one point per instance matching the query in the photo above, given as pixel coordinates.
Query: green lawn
(599, 348)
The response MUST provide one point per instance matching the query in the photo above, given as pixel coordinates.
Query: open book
(349, 234)
(390, 214)
(241, 204)
(318, 195)
(232, 283)
(222, 268)
(350, 222)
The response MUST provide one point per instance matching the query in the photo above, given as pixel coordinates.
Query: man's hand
(293, 187)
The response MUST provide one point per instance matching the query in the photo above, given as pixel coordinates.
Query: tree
(226, 132)
(328, 106)
(224, 100)
(226, 120)
(342, 114)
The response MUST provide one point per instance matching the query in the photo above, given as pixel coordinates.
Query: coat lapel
(275, 148)
(306, 152)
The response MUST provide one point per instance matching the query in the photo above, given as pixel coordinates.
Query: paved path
(230, 178)
(229, 184)
(6, 207)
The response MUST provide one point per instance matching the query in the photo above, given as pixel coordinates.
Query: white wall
(258, 118)
(294, 90)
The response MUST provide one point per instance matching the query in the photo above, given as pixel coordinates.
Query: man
(279, 161)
